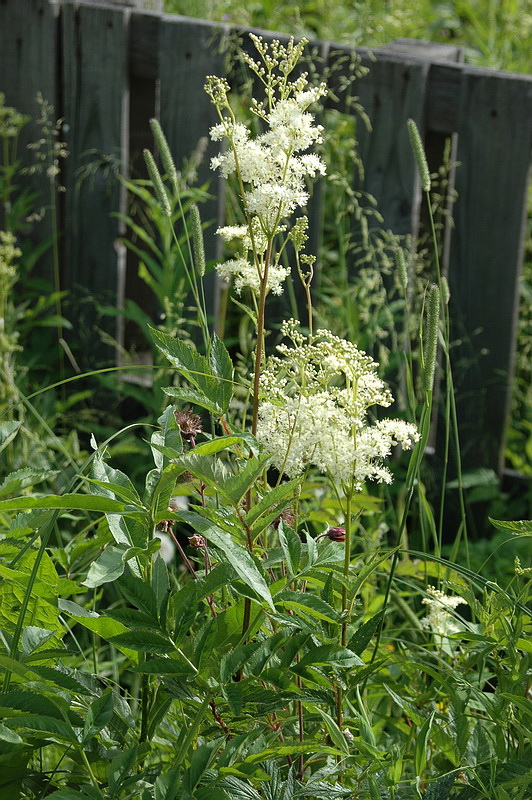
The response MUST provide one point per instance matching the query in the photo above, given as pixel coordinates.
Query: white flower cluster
(440, 619)
(272, 168)
(314, 411)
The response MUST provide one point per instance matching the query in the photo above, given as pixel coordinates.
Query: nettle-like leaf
(240, 559)
(98, 716)
(211, 378)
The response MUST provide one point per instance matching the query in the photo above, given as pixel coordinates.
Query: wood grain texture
(494, 141)
(28, 53)
(392, 93)
(95, 101)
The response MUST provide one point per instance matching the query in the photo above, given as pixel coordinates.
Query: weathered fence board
(494, 137)
(108, 68)
(28, 60)
(95, 96)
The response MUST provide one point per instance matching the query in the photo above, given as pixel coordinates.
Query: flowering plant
(234, 637)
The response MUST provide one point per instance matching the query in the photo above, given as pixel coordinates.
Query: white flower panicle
(272, 168)
(316, 396)
(439, 618)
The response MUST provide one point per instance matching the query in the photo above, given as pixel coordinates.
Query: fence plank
(189, 50)
(28, 40)
(392, 93)
(494, 139)
(95, 47)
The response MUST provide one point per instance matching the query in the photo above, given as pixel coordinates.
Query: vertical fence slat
(494, 138)
(95, 47)
(393, 92)
(189, 51)
(28, 41)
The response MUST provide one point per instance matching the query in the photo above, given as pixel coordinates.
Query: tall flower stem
(260, 339)
(347, 562)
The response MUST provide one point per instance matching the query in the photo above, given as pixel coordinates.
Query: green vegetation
(260, 601)
(496, 34)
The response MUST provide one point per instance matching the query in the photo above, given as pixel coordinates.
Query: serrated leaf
(50, 725)
(185, 606)
(236, 487)
(291, 546)
(143, 641)
(362, 637)
(221, 366)
(309, 603)
(194, 396)
(23, 478)
(8, 431)
(139, 594)
(98, 716)
(216, 445)
(120, 767)
(331, 655)
(239, 558)
(270, 499)
(165, 666)
(236, 659)
(291, 749)
(519, 527)
(7, 735)
(60, 678)
(337, 737)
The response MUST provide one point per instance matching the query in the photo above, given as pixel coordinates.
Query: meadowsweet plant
(279, 658)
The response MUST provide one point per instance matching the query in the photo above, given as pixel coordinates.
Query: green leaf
(236, 487)
(144, 641)
(167, 438)
(216, 445)
(271, 498)
(33, 637)
(520, 527)
(239, 558)
(160, 581)
(107, 568)
(165, 666)
(98, 716)
(23, 478)
(291, 545)
(337, 737)
(420, 751)
(208, 469)
(291, 749)
(194, 396)
(50, 725)
(59, 678)
(362, 637)
(139, 594)
(119, 769)
(221, 366)
(7, 735)
(77, 502)
(68, 794)
(440, 789)
(185, 605)
(236, 659)
(310, 603)
(330, 655)
(8, 431)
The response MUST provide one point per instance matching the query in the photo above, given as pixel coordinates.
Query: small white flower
(440, 619)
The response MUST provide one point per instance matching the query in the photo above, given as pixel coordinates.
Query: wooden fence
(108, 69)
